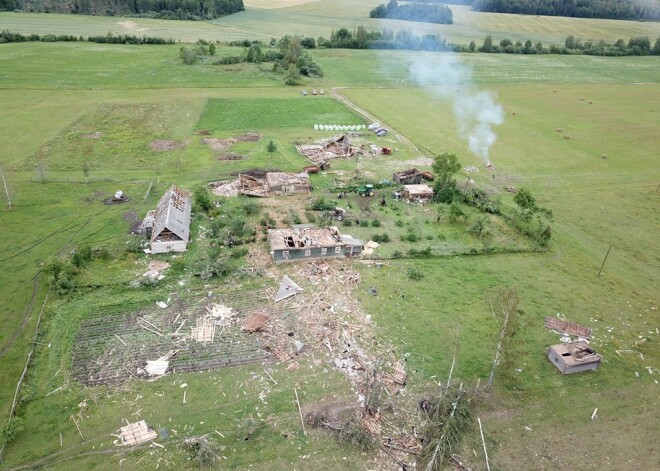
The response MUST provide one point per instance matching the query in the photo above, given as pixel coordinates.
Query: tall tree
(445, 167)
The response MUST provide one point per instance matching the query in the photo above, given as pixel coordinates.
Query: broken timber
(566, 327)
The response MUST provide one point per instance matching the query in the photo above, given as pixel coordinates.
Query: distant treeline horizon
(163, 9)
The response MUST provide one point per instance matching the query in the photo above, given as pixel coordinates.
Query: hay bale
(567, 137)
(603, 156)
(560, 129)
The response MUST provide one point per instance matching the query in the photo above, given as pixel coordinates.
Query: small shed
(574, 357)
(419, 193)
(288, 183)
(169, 224)
(408, 177)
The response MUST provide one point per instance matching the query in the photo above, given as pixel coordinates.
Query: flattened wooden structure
(567, 327)
(136, 433)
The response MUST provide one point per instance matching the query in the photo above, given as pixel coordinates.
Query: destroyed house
(419, 193)
(169, 224)
(574, 357)
(300, 243)
(288, 183)
(407, 177)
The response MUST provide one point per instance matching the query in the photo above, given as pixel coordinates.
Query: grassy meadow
(580, 132)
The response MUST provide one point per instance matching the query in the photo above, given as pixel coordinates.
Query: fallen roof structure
(287, 289)
(567, 327)
(169, 223)
(327, 149)
(574, 357)
(251, 186)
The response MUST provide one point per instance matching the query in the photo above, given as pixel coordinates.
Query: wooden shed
(574, 357)
(169, 224)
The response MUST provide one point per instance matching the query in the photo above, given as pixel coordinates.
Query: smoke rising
(476, 111)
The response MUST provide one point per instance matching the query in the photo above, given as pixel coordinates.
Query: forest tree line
(611, 9)
(164, 9)
(425, 12)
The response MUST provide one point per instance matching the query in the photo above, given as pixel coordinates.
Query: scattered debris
(256, 323)
(204, 331)
(161, 304)
(369, 247)
(511, 189)
(136, 434)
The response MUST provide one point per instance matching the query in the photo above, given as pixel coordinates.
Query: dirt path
(370, 117)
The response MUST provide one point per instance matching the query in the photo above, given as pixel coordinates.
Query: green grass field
(580, 132)
(300, 112)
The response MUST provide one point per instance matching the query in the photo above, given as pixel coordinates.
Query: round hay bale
(316, 127)
(567, 137)
(604, 156)
(560, 129)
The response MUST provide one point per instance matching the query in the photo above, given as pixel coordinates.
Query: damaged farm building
(407, 177)
(278, 183)
(327, 149)
(300, 243)
(168, 226)
(288, 183)
(418, 193)
(574, 357)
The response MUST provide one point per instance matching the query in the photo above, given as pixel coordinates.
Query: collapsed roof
(326, 149)
(172, 215)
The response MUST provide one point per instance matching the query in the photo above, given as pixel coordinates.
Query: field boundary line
(27, 362)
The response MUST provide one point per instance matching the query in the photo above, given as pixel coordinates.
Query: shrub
(375, 223)
(364, 223)
(10, 429)
(251, 208)
(380, 238)
(414, 274)
(398, 223)
(321, 204)
(348, 222)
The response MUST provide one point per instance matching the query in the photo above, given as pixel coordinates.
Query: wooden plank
(571, 328)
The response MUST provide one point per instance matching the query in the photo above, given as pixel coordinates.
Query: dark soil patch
(332, 412)
(218, 144)
(255, 172)
(249, 137)
(231, 156)
(163, 145)
(203, 132)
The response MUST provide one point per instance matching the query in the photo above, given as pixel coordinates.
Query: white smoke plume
(476, 111)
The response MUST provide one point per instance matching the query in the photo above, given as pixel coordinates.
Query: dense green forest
(613, 9)
(414, 11)
(166, 9)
